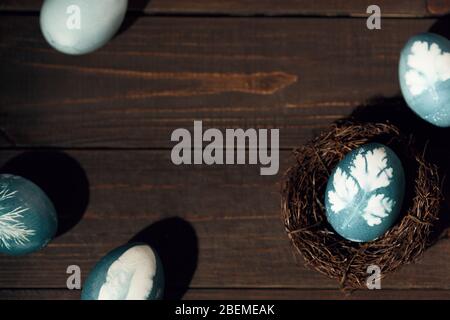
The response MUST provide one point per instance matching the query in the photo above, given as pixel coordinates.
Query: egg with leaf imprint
(81, 26)
(130, 272)
(28, 219)
(365, 192)
(424, 73)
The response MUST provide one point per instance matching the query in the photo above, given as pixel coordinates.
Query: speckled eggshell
(28, 219)
(81, 26)
(424, 72)
(365, 192)
(130, 272)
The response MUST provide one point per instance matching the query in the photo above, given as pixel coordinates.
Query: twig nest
(304, 213)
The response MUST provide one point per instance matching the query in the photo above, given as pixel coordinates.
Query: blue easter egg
(130, 272)
(424, 73)
(365, 192)
(28, 218)
(81, 26)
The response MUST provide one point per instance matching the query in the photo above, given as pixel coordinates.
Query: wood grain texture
(234, 212)
(311, 294)
(112, 113)
(246, 294)
(398, 8)
(164, 73)
(39, 294)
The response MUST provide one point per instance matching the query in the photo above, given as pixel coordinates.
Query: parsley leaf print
(345, 190)
(368, 172)
(371, 171)
(429, 65)
(377, 207)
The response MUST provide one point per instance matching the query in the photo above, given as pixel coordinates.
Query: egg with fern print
(364, 194)
(28, 219)
(131, 272)
(78, 27)
(424, 73)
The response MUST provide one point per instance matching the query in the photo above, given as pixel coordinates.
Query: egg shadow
(442, 26)
(176, 243)
(136, 10)
(433, 140)
(61, 177)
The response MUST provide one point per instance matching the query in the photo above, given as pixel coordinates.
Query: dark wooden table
(95, 130)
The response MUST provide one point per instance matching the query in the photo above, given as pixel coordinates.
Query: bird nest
(304, 212)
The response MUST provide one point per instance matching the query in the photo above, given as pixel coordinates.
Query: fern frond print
(12, 230)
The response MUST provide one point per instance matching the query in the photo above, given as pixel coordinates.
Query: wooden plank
(296, 294)
(411, 8)
(246, 294)
(39, 294)
(164, 73)
(231, 222)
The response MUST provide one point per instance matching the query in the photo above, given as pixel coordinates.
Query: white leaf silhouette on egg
(345, 189)
(12, 229)
(429, 65)
(377, 207)
(368, 173)
(130, 277)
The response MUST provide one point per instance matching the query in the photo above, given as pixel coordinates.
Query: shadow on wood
(435, 141)
(442, 26)
(61, 177)
(175, 241)
(136, 9)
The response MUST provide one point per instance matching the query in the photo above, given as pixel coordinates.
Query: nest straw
(304, 213)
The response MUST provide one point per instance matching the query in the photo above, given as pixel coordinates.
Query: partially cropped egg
(28, 219)
(424, 72)
(130, 272)
(81, 26)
